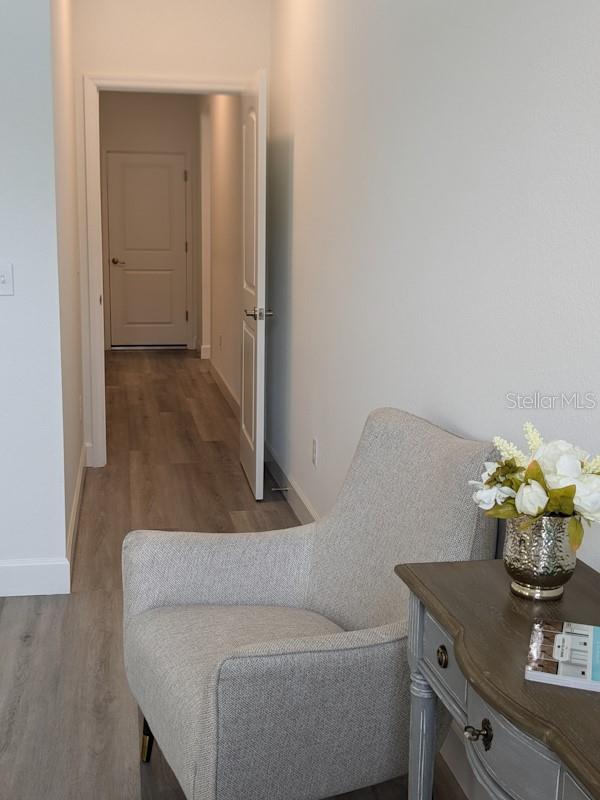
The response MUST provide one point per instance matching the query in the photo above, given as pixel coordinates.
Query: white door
(147, 249)
(254, 144)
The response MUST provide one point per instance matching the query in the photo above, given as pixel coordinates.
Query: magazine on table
(564, 653)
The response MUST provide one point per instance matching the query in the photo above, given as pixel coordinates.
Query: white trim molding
(226, 390)
(92, 312)
(205, 351)
(205, 227)
(76, 506)
(294, 495)
(31, 576)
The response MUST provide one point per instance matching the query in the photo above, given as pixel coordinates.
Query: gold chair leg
(147, 742)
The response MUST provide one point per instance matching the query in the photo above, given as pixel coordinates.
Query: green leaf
(534, 473)
(507, 473)
(575, 531)
(506, 511)
(560, 501)
(513, 482)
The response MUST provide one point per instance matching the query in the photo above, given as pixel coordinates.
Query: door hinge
(186, 247)
(187, 316)
(185, 175)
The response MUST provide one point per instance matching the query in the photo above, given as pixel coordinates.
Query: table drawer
(438, 652)
(513, 758)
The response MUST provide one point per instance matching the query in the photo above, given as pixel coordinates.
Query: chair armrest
(324, 714)
(345, 640)
(162, 568)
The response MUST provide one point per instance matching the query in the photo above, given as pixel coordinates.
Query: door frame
(90, 189)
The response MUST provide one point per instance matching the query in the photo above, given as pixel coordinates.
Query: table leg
(423, 738)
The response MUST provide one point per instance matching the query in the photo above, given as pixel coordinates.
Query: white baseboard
(91, 459)
(76, 506)
(226, 390)
(28, 576)
(205, 351)
(294, 496)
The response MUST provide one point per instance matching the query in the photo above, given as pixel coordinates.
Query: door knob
(116, 261)
(485, 733)
(258, 313)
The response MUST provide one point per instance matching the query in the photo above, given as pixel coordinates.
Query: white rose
(559, 481)
(487, 498)
(569, 466)
(503, 493)
(568, 470)
(587, 497)
(550, 455)
(531, 499)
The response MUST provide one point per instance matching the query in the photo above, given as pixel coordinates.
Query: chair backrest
(405, 499)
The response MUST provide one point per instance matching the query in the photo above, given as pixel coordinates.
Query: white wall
(435, 185)
(182, 38)
(152, 123)
(226, 239)
(68, 261)
(32, 476)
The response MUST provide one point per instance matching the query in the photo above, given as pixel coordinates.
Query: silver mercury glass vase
(538, 556)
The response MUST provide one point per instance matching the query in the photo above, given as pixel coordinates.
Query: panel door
(253, 317)
(147, 249)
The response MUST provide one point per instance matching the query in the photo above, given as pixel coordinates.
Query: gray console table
(467, 646)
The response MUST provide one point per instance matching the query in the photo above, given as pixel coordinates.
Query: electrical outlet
(7, 285)
(314, 453)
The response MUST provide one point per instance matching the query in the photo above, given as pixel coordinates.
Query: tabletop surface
(491, 629)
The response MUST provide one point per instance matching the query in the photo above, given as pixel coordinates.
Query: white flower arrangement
(555, 478)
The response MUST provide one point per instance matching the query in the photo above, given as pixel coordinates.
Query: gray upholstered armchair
(272, 666)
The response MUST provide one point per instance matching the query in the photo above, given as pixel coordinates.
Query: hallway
(173, 463)
(69, 727)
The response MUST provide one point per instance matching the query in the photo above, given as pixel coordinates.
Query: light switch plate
(7, 282)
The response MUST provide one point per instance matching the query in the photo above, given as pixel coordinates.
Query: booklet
(564, 653)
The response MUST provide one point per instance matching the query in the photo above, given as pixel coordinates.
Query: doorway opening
(149, 154)
(175, 188)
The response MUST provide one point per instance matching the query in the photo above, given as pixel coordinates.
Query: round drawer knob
(442, 656)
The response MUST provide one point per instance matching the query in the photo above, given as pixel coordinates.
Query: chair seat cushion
(172, 658)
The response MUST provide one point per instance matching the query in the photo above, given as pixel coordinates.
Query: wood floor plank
(105, 519)
(181, 437)
(270, 516)
(173, 461)
(146, 481)
(68, 725)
